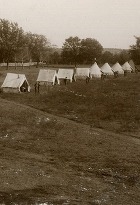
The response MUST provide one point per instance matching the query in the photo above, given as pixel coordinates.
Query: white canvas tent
(15, 83)
(106, 69)
(131, 63)
(65, 74)
(117, 68)
(95, 71)
(126, 67)
(82, 73)
(47, 76)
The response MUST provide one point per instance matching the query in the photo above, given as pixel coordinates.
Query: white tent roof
(46, 75)
(107, 69)
(82, 72)
(117, 67)
(65, 73)
(126, 66)
(14, 80)
(95, 70)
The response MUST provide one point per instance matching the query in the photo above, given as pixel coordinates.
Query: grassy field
(112, 104)
(71, 145)
(51, 160)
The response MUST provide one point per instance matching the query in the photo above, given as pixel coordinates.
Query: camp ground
(106, 69)
(47, 77)
(82, 73)
(131, 63)
(95, 71)
(117, 68)
(65, 74)
(126, 67)
(15, 83)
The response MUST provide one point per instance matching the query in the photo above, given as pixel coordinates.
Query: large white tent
(65, 74)
(15, 83)
(106, 69)
(126, 67)
(47, 76)
(95, 71)
(82, 73)
(117, 68)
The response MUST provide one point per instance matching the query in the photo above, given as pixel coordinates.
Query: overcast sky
(112, 22)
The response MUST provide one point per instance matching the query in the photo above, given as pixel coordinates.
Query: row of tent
(51, 76)
(95, 71)
(18, 82)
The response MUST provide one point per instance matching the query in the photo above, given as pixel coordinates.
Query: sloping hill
(53, 160)
(114, 50)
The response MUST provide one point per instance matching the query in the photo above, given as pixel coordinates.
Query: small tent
(15, 83)
(82, 73)
(106, 69)
(131, 63)
(126, 67)
(95, 71)
(65, 74)
(48, 77)
(117, 68)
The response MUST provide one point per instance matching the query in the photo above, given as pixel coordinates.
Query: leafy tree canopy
(82, 51)
(11, 39)
(90, 50)
(135, 51)
(70, 49)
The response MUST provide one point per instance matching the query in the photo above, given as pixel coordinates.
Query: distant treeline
(17, 46)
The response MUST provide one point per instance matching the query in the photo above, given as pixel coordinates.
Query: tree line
(19, 46)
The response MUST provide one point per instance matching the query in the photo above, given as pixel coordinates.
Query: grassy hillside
(112, 104)
(52, 160)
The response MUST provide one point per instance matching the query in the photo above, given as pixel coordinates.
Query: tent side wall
(47, 78)
(64, 73)
(10, 90)
(81, 74)
(62, 79)
(95, 75)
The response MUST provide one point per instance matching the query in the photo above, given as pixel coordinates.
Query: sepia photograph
(70, 102)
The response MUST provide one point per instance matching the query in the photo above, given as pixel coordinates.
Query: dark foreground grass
(113, 104)
(54, 161)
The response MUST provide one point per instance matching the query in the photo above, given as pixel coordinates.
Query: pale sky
(112, 22)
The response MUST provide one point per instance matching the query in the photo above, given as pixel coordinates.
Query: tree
(135, 51)
(107, 57)
(55, 57)
(111, 58)
(124, 56)
(37, 45)
(70, 50)
(11, 40)
(90, 50)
